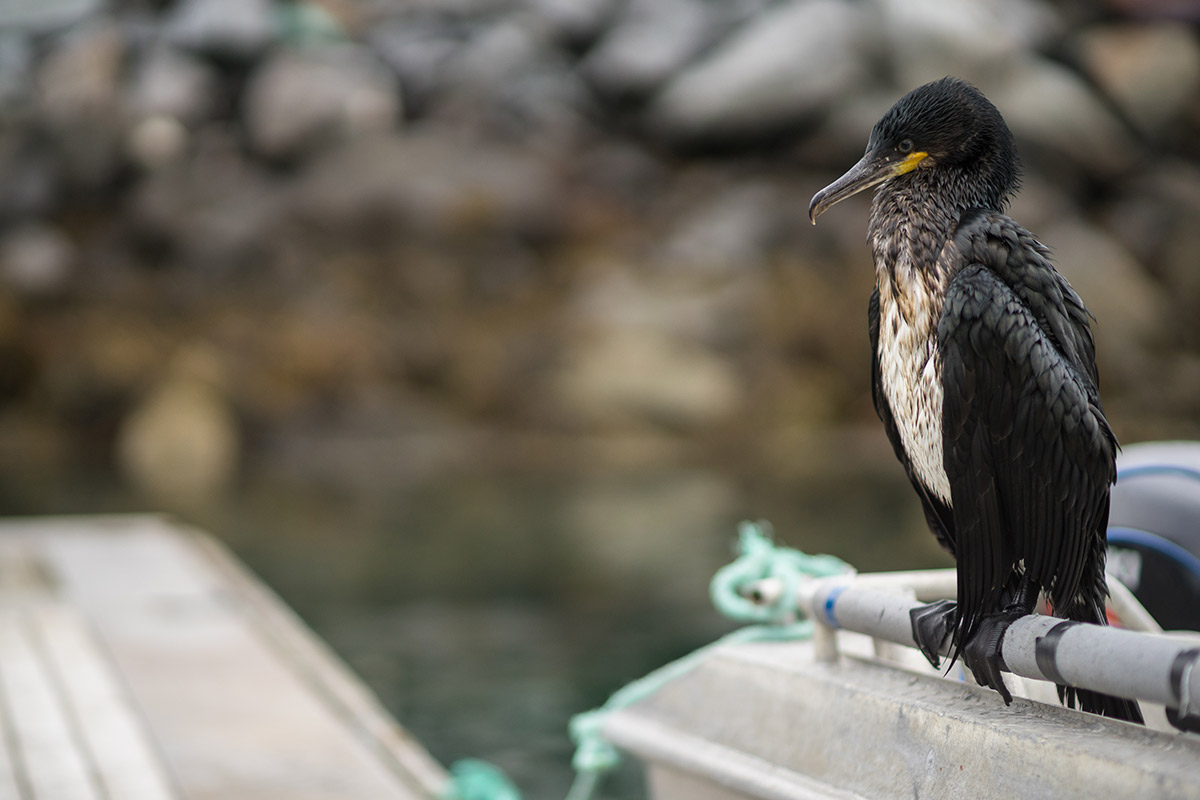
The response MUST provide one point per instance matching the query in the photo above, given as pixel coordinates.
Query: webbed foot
(982, 653)
(931, 625)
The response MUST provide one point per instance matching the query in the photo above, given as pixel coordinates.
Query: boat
(829, 699)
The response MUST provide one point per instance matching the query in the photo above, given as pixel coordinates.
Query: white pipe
(1143, 666)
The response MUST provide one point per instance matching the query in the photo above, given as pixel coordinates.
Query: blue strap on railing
(759, 559)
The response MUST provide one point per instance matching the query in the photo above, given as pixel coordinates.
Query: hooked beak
(870, 171)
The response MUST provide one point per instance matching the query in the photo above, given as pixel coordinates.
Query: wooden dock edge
(222, 691)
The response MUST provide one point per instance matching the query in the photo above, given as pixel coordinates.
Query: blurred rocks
(1156, 220)
(1052, 107)
(238, 29)
(784, 67)
(16, 61)
(640, 377)
(156, 141)
(78, 93)
(45, 16)
(650, 41)
(570, 216)
(432, 184)
(712, 314)
(180, 443)
(418, 51)
(1128, 305)
(35, 260)
(510, 82)
(301, 100)
(1151, 71)
(731, 231)
(31, 177)
(18, 364)
(973, 39)
(169, 82)
(212, 213)
(576, 23)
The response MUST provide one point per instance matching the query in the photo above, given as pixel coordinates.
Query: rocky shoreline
(228, 226)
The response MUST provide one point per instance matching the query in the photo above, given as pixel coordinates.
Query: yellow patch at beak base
(909, 163)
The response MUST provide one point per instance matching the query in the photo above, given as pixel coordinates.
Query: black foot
(982, 653)
(931, 625)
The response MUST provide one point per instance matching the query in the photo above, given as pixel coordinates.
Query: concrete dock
(140, 661)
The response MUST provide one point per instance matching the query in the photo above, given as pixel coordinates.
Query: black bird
(984, 374)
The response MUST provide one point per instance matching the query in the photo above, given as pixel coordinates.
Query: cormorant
(984, 375)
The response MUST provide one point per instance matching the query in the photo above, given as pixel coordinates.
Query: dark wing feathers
(937, 513)
(1028, 452)
(1023, 262)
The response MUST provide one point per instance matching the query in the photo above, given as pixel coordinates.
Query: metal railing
(1152, 667)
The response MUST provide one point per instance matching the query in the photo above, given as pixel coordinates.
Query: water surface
(486, 606)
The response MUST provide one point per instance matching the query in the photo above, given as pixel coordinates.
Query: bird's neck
(907, 235)
(913, 220)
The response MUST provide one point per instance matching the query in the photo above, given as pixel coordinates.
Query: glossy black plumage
(984, 375)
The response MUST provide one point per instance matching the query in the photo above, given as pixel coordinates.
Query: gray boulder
(80, 104)
(436, 183)
(417, 51)
(650, 41)
(1151, 71)
(1050, 105)
(239, 29)
(971, 39)
(169, 82)
(215, 211)
(46, 16)
(1155, 217)
(510, 80)
(36, 259)
(789, 64)
(574, 22)
(301, 100)
(1130, 308)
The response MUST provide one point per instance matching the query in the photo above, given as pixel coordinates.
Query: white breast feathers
(908, 361)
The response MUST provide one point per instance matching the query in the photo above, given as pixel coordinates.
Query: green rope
(471, 779)
(759, 558)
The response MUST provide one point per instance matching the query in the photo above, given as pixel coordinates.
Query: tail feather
(1104, 704)
(1090, 608)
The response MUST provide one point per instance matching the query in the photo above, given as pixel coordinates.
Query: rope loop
(593, 753)
(761, 559)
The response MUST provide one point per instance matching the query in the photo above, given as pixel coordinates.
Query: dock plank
(42, 732)
(10, 781)
(240, 701)
(120, 755)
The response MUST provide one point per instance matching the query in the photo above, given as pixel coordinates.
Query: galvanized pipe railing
(1151, 667)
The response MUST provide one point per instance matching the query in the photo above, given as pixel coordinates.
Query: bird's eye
(905, 146)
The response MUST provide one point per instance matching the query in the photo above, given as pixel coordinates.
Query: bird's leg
(982, 652)
(931, 625)
(1025, 597)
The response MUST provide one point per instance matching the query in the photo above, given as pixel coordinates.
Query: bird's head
(946, 126)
